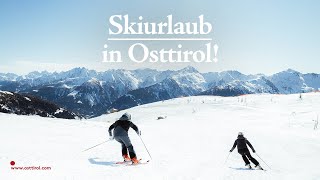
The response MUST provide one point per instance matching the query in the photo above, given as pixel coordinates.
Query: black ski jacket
(241, 143)
(125, 125)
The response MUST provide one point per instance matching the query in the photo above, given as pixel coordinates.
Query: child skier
(120, 134)
(241, 143)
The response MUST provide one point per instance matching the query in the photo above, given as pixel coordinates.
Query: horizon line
(81, 67)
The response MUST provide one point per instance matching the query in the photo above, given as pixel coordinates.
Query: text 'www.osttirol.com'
(31, 168)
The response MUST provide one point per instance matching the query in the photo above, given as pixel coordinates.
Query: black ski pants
(126, 145)
(245, 155)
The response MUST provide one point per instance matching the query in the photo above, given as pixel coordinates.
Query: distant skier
(241, 143)
(120, 134)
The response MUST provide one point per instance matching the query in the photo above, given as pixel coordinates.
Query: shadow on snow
(96, 161)
(241, 169)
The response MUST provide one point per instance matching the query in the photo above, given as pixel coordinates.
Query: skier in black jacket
(120, 134)
(241, 143)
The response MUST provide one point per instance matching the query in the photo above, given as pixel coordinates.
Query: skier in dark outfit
(120, 134)
(241, 143)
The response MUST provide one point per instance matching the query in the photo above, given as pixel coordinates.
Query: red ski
(140, 162)
(123, 162)
(129, 163)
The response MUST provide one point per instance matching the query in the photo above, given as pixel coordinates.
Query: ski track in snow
(191, 143)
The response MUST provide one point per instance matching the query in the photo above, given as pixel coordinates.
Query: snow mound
(6, 92)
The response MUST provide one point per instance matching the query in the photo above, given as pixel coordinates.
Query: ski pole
(227, 158)
(145, 147)
(263, 160)
(96, 145)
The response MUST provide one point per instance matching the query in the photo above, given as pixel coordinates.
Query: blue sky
(265, 36)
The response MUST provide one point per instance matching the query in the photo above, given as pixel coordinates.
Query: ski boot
(126, 158)
(259, 167)
(135, 160)
(248, 166)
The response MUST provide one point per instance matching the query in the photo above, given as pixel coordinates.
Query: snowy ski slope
(191, 143)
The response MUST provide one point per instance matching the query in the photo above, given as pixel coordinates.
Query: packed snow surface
(192, 142)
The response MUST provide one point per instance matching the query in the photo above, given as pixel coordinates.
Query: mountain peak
(189, 69)
(288, 72)
(291, 71)
(78, 72)
(234, 73)
(37, 74)
(93, 81)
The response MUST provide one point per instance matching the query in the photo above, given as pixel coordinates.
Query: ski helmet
(240, 134)
(125, 117)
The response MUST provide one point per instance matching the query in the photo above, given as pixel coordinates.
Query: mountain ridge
(21, 104)
(92, 93)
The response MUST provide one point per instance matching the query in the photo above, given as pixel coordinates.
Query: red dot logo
(12, 163)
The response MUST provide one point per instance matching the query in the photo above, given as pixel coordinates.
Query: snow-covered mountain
(8, 76)
(290, 81)
(14, 103)
(166, 89)
(92, 93)
(312, 80)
